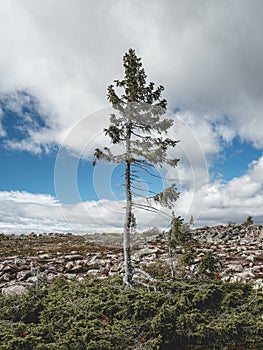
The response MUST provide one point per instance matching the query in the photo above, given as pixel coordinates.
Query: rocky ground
(239, 249)
(33, 259)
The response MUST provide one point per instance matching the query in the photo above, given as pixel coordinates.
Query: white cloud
(22, 212)
(25, 197)
(196, 136)
(215, 203)
(236, 199)
(207, 55)
(225, 131)
(2, 131)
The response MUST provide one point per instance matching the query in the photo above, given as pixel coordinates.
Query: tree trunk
(127, 226)
(171, 256)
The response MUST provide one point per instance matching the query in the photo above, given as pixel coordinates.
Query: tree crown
(138, 123)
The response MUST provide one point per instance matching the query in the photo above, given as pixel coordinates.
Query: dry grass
(32, 245)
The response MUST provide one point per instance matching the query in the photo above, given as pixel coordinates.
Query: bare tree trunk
(128, 218)
(171, 256)
(127, 230)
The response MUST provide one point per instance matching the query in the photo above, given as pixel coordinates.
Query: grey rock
(250, 258)
(14, 289)
(258, 284)
(93, 272)
(235, 279)
(5, 277)
(146, 251)
(20, 261)
(69, 265)
(77, 268)
(34, 279)
(23, 275)
(45, 256)
(246, 274)
(70, 276)
(73, 257)
(52, 276)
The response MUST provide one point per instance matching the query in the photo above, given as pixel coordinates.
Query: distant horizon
(120, 231)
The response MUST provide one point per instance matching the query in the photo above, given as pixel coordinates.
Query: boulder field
(28, 260)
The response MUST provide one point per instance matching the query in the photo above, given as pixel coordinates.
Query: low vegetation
(101, 314)
(181, 309)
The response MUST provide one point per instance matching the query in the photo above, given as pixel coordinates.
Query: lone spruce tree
(137, 125)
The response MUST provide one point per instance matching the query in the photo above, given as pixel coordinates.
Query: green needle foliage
(101, 314)
(139, 127)
(180, 232)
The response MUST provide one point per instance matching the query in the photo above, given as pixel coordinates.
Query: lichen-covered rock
(14, 289)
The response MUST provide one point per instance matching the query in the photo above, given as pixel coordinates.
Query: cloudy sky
(57, 59)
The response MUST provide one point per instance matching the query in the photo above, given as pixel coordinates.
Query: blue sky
(24, 171)
(234, 159)
(55, 69)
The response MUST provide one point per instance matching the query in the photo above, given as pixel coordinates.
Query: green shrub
(100, 314)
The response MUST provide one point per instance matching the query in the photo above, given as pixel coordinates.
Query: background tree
(138, 124)
(179, 234)
(248, 222)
